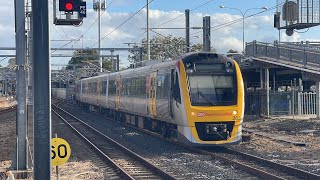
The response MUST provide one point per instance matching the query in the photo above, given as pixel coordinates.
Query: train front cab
(213, 98)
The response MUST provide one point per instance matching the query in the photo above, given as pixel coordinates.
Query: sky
(259, 27)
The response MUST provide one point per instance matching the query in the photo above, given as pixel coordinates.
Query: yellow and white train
(197, 99)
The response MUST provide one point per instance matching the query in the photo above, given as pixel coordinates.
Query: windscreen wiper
(206, 98)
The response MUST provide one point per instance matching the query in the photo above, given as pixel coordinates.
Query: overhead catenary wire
(195, 8)
(220, 26)
(96, 19)
(207, 2)
(120, 25)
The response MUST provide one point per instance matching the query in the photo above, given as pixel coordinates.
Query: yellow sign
(60, 151)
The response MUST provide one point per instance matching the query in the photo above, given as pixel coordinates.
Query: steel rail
(100, 153)
(289, 170)
(243, 167)
(3, 111)
(147, 165)
(252, 170)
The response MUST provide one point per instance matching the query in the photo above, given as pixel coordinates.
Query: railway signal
(71, 12)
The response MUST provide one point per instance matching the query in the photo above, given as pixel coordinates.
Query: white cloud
(294, 38)
(223, 37)
(224, 44)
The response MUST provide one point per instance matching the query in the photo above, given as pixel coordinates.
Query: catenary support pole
(30, 91)
(118, 63)
(206, 33)
(187, 13)
(21, 159)
(42, 90)
(99, 32)
(140, 54)
(148, 36)
(204, 27)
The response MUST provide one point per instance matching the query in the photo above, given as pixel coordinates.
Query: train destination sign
(60, 151)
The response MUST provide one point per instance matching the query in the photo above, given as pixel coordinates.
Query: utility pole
(42, 90)
(148, 38)
(187, 13)
(99, 14)
(99, 6)
(206, 34)
(21, 144)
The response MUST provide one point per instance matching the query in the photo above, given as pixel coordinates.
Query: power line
(3, 59)
(123, 22)
(56, 30)
(220, 26)
(96, 19)
(183, 14)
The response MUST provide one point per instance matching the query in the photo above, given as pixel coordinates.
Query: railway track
(125, 162)
(3, 111)
(258, 166)
(254, 165)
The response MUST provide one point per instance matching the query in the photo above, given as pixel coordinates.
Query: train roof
(164, 64)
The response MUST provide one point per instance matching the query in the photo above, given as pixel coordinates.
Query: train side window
(176, 89)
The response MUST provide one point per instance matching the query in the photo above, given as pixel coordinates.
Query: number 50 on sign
(60, 151)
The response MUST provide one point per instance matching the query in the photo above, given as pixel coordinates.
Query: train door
(175, 101)
(152, 94)
(85, 91)
(81, 91)
(107, 91)
(118, 91)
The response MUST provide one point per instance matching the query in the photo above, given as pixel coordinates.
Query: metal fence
(280, 103)
(287, 52)
(307, 103)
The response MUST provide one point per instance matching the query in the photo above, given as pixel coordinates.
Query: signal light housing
(69, 5)
(71, 12)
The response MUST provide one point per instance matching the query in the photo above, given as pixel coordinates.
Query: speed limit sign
(60, 151)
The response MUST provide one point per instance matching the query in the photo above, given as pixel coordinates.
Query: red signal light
(69, 6)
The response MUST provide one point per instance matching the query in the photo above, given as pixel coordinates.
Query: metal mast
(42, 90)
(21, 158)
(98, 6)
(148, 38)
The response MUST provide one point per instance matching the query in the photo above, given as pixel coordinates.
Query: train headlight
(189, 71)
(189, 65)
(193, 113)
(229, 64)
(235, 112)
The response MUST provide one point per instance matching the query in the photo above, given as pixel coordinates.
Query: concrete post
(6, 87)
(42, 90)
(318, 98)
(267, 92)
(21, 144)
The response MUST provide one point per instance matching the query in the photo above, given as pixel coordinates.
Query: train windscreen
(212, 90)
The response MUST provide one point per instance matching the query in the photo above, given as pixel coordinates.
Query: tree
(163, 48)
(11, 63)
(80, 56)
(87, 56)
(232, 51)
